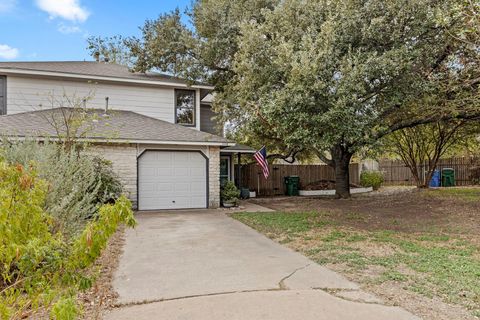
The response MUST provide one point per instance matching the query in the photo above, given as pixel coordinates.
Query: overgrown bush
(110, 187)
(372, 179)
(77, 181)
(230, 193)
(39, 266)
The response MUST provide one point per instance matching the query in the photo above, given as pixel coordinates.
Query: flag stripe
(261, 157)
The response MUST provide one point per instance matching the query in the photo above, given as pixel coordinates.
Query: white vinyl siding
(29, 93)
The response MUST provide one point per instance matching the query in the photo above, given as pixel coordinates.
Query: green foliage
(372, 179)
(65, 309)
(283, 222)
(110, 188)
(77, 182)
(202, 53)
(230, 193)
(39, 264)
(459, 193)
(88, 246)
(25, 238)
(425, 145)
(324, 77)
(110, 49)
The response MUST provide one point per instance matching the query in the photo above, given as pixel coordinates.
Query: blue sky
(43, 30)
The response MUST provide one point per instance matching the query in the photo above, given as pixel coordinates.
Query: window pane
(184, 116)
(224, 167)
(185, 99)
(185, 107)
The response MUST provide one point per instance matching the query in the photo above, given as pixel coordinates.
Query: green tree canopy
(328, 76)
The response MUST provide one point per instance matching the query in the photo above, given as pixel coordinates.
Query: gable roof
(93, 70)
(116, 126)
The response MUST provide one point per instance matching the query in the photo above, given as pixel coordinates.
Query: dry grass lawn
(418, 249)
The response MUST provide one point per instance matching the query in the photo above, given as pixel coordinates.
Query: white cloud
(7, 52)
(7, 5)
(68, 29)
(66, 9)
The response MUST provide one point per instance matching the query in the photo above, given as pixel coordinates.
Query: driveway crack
(281, 284)
(148, 301)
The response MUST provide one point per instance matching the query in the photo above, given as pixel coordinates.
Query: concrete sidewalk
(201, 264)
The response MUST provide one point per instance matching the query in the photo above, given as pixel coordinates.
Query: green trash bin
(448, 177)
(291, 184)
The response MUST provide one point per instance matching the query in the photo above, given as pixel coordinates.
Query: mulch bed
(325, 185)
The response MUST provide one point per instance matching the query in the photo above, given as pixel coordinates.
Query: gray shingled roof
(239, 148)
(116, 126)
(91, 68)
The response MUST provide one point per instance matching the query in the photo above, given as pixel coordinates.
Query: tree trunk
(341, 163)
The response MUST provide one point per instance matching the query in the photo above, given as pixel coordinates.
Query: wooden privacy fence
(396, 173)
(252, 176)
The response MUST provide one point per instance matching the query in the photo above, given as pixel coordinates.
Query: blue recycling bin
(436, 179)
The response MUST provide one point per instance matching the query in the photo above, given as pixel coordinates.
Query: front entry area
(172, 180)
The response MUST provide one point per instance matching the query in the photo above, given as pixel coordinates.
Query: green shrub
(89, 244)
(110, 188)
(78, 182)
(230, 193)
(28, 248)
(372, 179)
(40, 266)
(25, 236)
(65, 309)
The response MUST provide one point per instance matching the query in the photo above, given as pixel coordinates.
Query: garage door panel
(182, 188)
(172, 180)
(182, 172)
(147, 187)
(196, 188)
(148, 171)
(198, 172)
(182, 159)
(162, 172)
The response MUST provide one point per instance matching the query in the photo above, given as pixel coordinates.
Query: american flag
(261, 157)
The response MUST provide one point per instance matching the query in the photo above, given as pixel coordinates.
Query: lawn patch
(446, 266)
(466, 194)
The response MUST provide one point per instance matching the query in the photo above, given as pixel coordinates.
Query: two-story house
(156, 129)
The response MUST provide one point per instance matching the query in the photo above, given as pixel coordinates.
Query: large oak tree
(327, 76)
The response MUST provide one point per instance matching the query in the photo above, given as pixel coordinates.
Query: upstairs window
(185, 107)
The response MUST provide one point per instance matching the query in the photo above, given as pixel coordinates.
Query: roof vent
(106, 105)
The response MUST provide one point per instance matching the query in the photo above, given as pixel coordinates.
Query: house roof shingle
(92, 68)
(116, 126)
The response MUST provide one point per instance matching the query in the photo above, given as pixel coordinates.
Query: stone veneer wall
(124, 162)
(214, 177)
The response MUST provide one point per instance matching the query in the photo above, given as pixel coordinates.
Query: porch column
(239, 179)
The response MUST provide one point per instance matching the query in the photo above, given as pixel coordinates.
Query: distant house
(165, 145)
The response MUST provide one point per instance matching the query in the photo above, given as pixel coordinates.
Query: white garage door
(172, 180)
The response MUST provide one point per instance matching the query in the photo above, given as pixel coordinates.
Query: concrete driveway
(204, 265)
